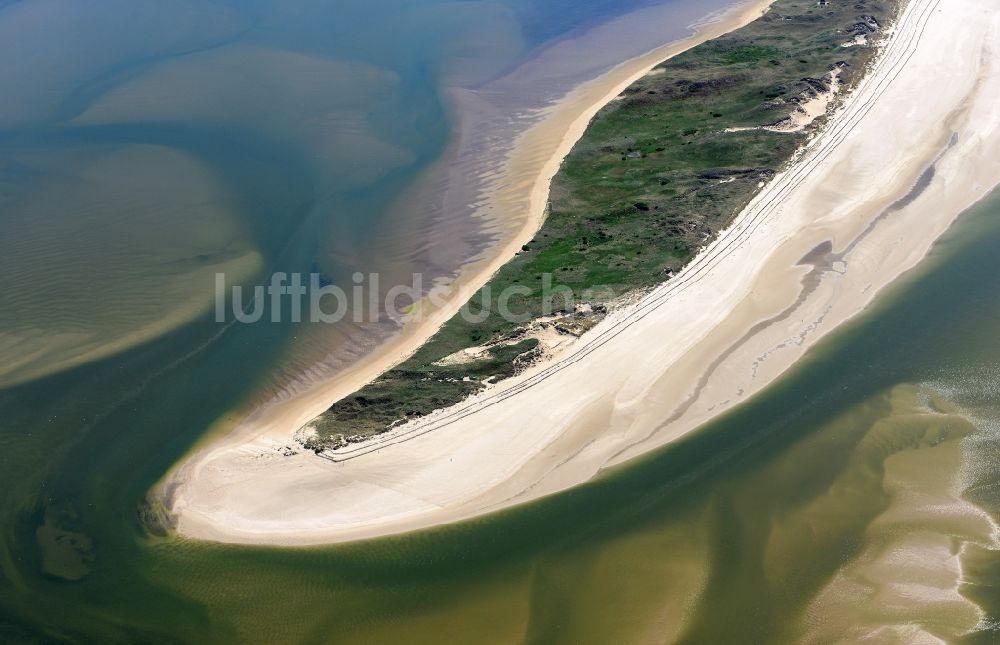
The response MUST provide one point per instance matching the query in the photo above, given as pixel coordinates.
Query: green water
(724, 537)
(745, 532)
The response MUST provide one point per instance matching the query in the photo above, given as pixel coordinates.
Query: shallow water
(145, 147)
(809, 512)
(832, 506)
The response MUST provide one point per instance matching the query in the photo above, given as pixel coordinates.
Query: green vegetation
(655, 178)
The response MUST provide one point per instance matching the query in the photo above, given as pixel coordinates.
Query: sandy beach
(906, 153)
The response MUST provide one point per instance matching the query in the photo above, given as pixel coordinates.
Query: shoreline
(628, 411)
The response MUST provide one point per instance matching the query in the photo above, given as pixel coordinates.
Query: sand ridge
(810, 252)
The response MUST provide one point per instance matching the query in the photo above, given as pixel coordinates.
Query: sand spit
(911, 148)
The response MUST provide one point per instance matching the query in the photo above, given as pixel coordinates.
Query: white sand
(730, 323)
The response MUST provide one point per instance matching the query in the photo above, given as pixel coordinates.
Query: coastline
(565, 452)
(523, 188)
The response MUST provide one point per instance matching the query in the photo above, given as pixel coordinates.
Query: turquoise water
(146, 145)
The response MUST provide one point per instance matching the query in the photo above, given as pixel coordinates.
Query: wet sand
(860, 214)
(905, 583)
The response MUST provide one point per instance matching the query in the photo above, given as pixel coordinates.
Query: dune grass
(659, 172)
